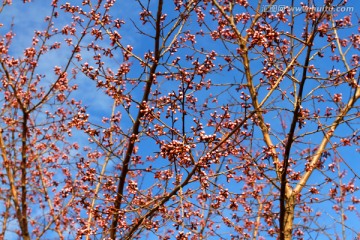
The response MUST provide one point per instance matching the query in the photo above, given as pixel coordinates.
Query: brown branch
(189, 176)
(284, 189)
(13, 191)
(6, 217)
(136, 126)
(23, 168)
(315, 159)
(51, 89)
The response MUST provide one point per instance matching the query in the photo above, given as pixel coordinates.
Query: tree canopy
(153, 119)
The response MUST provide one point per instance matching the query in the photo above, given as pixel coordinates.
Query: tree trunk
(289, 217)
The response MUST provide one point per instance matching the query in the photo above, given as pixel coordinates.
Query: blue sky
(28, 17)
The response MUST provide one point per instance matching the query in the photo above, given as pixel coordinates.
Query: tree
(180, 119)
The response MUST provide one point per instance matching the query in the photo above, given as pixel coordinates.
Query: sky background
(29, 17)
